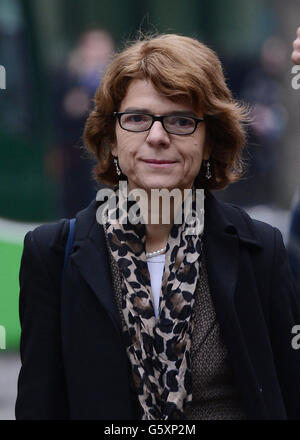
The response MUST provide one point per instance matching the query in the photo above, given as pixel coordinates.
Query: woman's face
(134, 149)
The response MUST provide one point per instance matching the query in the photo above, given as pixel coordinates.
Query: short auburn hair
(182, 69)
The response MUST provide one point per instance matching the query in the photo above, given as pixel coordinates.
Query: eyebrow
(174, 112)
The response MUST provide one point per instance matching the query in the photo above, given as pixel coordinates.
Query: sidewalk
(9, 371)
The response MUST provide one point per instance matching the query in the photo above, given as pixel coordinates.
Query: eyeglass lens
(142, 122)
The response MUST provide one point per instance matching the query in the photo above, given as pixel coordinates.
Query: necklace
(155, 253)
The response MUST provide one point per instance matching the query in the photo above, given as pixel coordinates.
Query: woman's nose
(157, 134)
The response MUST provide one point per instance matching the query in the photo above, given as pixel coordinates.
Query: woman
(151, 324)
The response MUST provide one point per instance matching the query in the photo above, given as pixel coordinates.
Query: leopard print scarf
(159, 352)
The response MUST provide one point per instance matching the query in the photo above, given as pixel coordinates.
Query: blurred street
(9, 370)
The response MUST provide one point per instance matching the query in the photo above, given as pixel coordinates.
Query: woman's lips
(159, 163)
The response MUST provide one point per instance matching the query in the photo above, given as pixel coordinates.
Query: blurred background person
(73, 89)
(259, 83)
(293, 245)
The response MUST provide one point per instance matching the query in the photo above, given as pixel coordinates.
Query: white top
(156, 268)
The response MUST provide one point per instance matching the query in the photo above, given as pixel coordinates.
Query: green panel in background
(10, 255)
(12, 235)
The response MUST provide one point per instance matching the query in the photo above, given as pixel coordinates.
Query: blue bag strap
(68, 246)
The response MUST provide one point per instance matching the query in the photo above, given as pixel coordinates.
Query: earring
(208, 174)
(117, 166)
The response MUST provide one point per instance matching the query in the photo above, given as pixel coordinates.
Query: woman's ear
(206, 152)
(114, 149)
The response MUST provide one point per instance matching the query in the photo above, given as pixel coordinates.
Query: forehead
(141, 94)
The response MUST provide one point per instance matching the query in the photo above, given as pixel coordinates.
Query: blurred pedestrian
(73, 90)
(258, 82)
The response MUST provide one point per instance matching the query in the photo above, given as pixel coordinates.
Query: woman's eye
(135, 118)
(181, 122)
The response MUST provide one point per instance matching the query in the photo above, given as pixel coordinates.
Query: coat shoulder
(49, 236)
(256, 230)
(43, 253)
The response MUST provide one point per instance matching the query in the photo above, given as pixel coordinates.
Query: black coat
(74, 363)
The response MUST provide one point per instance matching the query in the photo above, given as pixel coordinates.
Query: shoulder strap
(68, 246)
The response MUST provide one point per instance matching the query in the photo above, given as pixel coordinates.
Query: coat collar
(225, 218)
(220, 218)
(224, 228)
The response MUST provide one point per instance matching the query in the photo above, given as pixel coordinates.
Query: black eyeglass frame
(157, 118)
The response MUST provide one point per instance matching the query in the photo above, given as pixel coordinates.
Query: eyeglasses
(173, 124)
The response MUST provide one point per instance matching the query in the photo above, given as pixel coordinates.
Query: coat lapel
(91, 257)
(221, 247)
(224, 232)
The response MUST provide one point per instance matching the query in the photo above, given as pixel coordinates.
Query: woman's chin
(158, 183)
